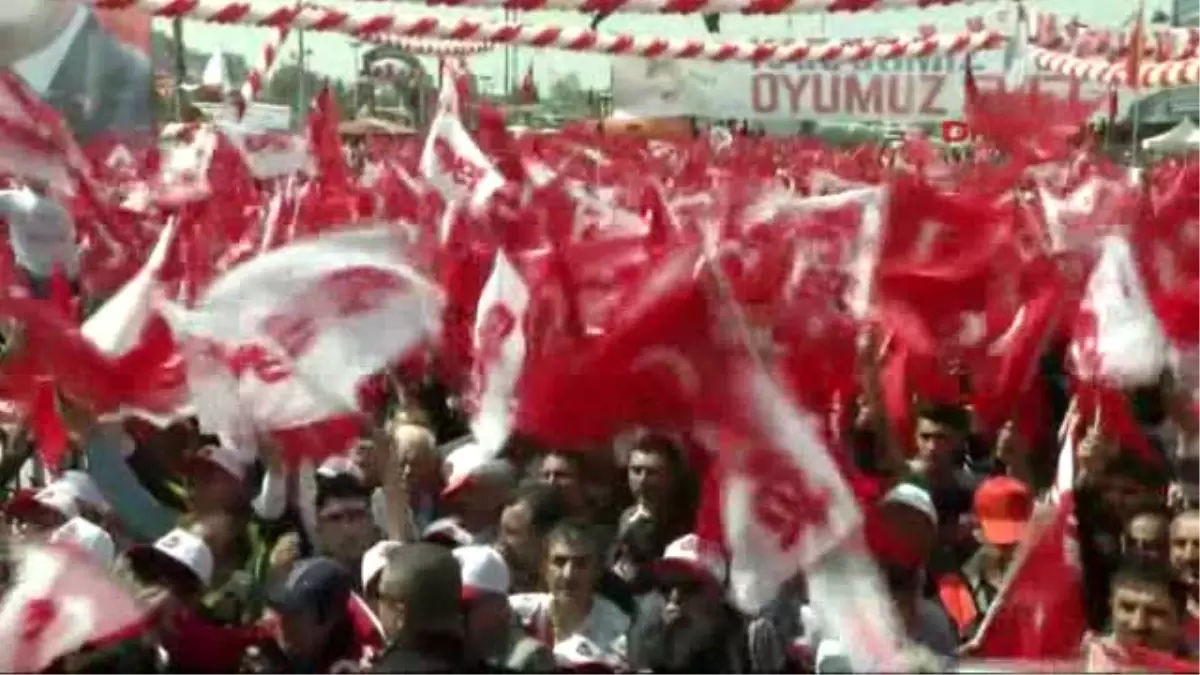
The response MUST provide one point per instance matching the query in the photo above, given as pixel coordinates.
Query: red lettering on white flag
(786, 508)
(499, 340)
(286, 340)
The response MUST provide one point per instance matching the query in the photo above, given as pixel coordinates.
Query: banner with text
(903, 90)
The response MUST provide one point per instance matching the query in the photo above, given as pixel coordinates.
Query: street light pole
(301, 84)
(508, 17)
(356, 46)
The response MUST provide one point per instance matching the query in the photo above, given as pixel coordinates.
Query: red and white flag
(1118, 338)
(186, 155)
(499, 341)
(58, 602)
(270, 154)
(283, 343)
(785, 508)
(35, 143)
(451, 161)
(1030, 618)
(128, 329)
(1107, 656)
(848, 228)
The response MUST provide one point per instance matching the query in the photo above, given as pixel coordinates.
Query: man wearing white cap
(492, 632)
(179, 562)
(373, 562)
(217, 480)
(477, 488)
(687, 626)
(85, 536)
(91, 501)
(906, 509)
(41, 512)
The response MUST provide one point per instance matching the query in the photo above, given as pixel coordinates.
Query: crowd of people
(408, 554)
(418, 547)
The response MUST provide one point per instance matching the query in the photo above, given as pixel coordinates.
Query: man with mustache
(687, 627)
(1184, 558)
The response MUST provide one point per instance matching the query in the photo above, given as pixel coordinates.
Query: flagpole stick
(1137, 118)
(1038, 525)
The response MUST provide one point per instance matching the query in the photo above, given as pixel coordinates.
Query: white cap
(914, 497)
(83, 534)
(694, 556)
(375, 559)
(223, 458)
(448, 529)
(340, 465)
(483, 570)
(579, 651)
(84, 489)
(60, 497)
(188, 550)
(830, 657)
(470, 461)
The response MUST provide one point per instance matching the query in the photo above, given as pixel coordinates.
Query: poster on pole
(92, 66)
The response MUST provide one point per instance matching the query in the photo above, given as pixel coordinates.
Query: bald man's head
(414, 438)
(416, 458)
(421, 592)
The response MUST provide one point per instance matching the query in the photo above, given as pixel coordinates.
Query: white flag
(285, 340)
(499, 340)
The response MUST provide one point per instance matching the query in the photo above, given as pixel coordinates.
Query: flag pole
(180, 58)
(301, 85)
(1136, 123)
(1133, 76)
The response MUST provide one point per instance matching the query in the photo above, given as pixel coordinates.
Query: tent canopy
(1185, 137)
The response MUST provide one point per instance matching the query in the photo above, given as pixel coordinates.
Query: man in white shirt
(64, 54)
(582, 626)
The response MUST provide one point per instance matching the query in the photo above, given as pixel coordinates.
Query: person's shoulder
(936, 628)
(609, 621)
(615, 589)
(401, 660)
(529, 655)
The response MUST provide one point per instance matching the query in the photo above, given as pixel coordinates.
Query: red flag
(529, 92)
(59, 602)
(1105, 656)
(1030, 618)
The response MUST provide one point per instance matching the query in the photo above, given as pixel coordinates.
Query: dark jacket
(650, 648)
(430, 654)
(1099, 551)
(102, 85)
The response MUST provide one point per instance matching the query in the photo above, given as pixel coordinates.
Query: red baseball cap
(1003, 508)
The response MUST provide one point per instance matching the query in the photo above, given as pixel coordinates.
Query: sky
(334, 55)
